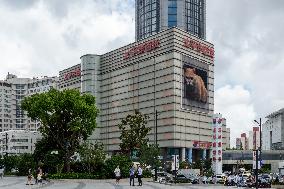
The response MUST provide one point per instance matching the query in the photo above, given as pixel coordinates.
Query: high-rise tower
(152, 16)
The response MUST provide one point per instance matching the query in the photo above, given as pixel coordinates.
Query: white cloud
(43, 37)
(235, 104)
(36, 40)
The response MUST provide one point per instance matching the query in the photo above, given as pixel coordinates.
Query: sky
(42, 37)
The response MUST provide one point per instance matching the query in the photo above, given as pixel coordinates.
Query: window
(172, 13)
(194, 11)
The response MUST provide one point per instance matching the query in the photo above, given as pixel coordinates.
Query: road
(20, 183)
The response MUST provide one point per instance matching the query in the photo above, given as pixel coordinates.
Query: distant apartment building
(17, 131)
(254, 138)
(226, 135)
(273, 131)
(238, 143)
(14, 142)
(13, 90)
(244, 141)
(5, 106)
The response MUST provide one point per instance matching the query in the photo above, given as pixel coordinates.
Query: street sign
(175, 162)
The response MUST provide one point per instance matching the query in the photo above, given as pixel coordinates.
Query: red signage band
(202, 144)
(199, 47)
(72, 74)
(142, 48)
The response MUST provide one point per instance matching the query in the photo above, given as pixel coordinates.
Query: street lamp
(260, 147)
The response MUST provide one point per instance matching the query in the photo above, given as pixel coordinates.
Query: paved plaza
(20, 183)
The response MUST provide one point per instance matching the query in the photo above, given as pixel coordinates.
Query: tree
(148, 155)
(133, 132)
(42, 147)
(66, 117)
(122, 161)
(92, 154)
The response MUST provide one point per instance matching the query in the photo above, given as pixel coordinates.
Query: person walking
(140, 171)
(30, 177)
(131, 173)
(117, 175)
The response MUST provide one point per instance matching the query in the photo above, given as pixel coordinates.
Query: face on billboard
(195, 85)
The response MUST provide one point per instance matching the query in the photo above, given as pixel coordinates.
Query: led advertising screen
(195, 85)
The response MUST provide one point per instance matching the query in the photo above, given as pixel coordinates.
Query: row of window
(147, 17)
(40, 83)
(20, 86)
(5, 84)
(5, 91)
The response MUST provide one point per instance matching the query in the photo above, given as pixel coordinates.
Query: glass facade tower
(152, 16)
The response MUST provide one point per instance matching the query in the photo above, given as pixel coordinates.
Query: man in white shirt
(117, 174)
(140, 171)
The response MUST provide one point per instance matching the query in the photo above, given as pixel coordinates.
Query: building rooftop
(275, 113)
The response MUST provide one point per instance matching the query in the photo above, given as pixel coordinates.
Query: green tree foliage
(45, 155)
(66, 117)
(22, 163)
(184, 165)
(148, 155)
(25, 162)
(43, 147)
(92, 155)
(205, 166)
(133, 132)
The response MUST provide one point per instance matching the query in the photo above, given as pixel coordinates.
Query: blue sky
(40, 38)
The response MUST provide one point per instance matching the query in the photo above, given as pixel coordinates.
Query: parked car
(220, 178)
(266, 177)
(181, 179)
(161, 177)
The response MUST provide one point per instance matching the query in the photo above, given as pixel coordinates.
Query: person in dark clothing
(139, 175)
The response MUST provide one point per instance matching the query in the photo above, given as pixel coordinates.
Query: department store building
(171, 73)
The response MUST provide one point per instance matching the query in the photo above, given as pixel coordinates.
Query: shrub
(73, 176)
(124, 163)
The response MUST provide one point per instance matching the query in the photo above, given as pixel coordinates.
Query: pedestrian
(214, 179)
(38, 175)
(204, 179)
(140, 171)
(117, 175)
(131, 173)
(30, 177)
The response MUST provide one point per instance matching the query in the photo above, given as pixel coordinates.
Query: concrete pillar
(182, 154)
(210, 154)
(204, 154)
(189, 155)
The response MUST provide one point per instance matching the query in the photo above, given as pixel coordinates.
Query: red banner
(199, 47)
(142, 48)
(72, 74)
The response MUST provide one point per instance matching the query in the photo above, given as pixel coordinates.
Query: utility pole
(260, 136)
(256, 169)
(156, 141)
(6, 137)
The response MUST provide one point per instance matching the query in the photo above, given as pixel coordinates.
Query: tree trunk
(67, 163)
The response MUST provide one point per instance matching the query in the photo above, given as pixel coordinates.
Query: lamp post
(156, 140)
(258, 158)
